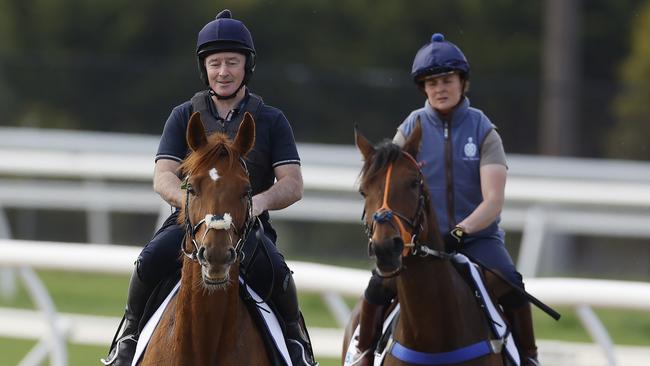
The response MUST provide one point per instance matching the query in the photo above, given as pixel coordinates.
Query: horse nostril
(398, 244)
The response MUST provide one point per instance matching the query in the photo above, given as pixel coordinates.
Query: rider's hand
(454, 239)
(259, 205)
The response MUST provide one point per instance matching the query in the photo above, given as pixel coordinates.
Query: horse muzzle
(388, 255)
(215, 267)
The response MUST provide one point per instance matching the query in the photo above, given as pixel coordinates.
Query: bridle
(385, 214)
(216, 222)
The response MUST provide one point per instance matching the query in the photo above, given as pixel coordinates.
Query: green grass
(85, 293)
(105, 295)
(13, 350)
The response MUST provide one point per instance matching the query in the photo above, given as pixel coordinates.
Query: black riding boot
(521, 322)
(296, 336)
(123, 347)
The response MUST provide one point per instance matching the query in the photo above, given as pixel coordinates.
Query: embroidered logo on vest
(470, 148)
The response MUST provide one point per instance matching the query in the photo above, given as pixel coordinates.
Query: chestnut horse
(207, 323)
(440, 314)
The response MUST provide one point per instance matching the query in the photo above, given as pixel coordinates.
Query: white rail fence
(53, 329)
(102, 173)
(111, 172)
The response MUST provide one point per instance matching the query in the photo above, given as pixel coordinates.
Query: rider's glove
(454, 239)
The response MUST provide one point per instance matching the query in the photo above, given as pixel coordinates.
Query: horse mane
(206, 157)
(386, 152)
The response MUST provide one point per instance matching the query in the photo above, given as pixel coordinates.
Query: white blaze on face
(213, 174)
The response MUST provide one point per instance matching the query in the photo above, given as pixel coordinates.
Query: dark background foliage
(122, 65)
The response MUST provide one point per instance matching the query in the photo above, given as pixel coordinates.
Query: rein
(385, 214)
(216, 222)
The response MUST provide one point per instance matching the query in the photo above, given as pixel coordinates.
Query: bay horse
(439, 311)
(207, 323)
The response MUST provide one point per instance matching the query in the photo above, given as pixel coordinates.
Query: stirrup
(299, 349)
(114, 352)
(353, 359)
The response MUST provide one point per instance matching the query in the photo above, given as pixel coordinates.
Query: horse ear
(196, 137)
(363, 144)
(246, 135)
(412, 145)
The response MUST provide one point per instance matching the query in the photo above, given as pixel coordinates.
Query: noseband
(385, 214)
(216, 222)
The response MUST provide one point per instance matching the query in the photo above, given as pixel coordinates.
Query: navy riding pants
(162, 256)
(492, 252)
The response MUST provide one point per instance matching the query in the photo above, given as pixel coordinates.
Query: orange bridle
(386, 214)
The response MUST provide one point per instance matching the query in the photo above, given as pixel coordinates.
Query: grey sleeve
(492, 151)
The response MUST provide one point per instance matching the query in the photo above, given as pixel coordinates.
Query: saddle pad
(271, 321)
(499, 327)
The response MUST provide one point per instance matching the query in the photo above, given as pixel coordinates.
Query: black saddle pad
(159, 295)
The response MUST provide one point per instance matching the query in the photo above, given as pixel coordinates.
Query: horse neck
(431, 283)
(209, 317)
(432, 292)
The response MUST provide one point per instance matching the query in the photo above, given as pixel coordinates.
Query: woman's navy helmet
(225, 34)
(438, 57)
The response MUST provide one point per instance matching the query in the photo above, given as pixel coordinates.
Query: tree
(630, 136)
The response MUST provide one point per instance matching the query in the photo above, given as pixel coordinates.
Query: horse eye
(415, 184)
(190, 189)
(362, 193)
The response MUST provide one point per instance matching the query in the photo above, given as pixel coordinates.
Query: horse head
(217, 212)
(396, 200)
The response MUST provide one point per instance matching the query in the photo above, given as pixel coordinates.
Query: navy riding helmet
(225, 34)
(438, 57)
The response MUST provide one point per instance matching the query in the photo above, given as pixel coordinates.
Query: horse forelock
(386, 153)
(206, 158)
(199, 163)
